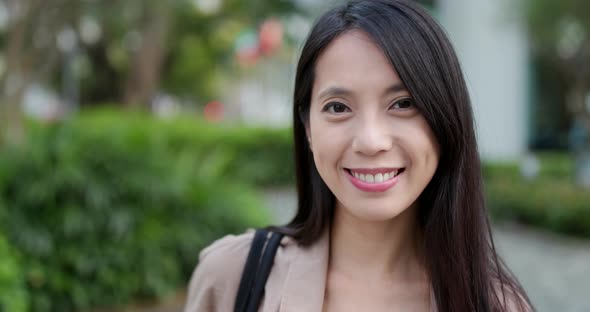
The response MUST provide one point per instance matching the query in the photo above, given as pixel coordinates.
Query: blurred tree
(202, 41)
(175, 46)
(122, 62)
(560, 32)
(30, 52)
(123, 51)
(144, 75)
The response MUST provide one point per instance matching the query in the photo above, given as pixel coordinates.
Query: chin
(375, 213)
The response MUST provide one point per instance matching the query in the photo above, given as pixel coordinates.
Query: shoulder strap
(250, 270)
(263, 271)
(256, 270)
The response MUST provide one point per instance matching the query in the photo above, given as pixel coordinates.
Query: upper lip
(374, 170)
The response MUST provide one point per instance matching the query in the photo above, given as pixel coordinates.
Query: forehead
(355, 62)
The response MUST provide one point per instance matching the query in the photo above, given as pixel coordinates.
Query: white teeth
(378, 178)
(362, 177)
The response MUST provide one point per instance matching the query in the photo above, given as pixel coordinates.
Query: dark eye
(335, 108)
(404, 103)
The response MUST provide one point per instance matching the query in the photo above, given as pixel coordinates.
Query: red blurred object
(214, 111)
(271, 36)
(247, 57)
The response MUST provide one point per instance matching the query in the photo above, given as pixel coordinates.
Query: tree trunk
(15, 79)
(12, 130)
(144, 77)
(27, 59)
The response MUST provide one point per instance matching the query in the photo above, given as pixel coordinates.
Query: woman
(391, 213)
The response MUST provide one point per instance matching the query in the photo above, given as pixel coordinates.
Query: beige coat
(296, 282)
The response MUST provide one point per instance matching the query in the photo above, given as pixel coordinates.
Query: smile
(374, 180)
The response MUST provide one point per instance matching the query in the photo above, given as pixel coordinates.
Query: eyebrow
(338, 91)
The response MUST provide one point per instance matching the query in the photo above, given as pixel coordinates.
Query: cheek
(328, 142)
(325, 141)
(425, 148)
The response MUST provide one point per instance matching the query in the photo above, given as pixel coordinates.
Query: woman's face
(370, 144)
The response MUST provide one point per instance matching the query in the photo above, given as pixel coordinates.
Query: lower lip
(373, 187)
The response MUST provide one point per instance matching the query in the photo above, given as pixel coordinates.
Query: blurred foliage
(198, 46)
(129, 52)
(548, 18)
(255, 155)
(559, 33)
(109, 208)
(201, 46)
(551, 200)
(13, 293)
(183, 47)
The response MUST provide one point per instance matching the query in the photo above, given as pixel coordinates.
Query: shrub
(550, 201)
(105, 212)
(13, 294)
(257, 156)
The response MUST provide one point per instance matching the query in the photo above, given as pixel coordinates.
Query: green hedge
(551, 200)
(108, 208)
(13, 293)
(258, 156)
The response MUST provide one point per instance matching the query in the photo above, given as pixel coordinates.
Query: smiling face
(370, 144)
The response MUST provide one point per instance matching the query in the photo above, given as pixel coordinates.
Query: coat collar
(306, 280)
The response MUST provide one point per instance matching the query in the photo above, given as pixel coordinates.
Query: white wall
(492, 47)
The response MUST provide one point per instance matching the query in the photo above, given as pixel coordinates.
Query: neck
(376, 250)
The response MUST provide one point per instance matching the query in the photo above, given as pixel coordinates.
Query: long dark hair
(465, 271)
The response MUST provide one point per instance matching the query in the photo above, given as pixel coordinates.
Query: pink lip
(373, 187)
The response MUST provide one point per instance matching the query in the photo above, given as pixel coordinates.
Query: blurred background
(133, 133)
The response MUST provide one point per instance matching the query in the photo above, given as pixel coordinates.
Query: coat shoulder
(218, 273)
(215, 281)
(226, 251)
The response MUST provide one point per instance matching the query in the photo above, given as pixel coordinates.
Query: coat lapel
(306, 279)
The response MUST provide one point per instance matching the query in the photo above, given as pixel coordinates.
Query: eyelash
(331, 105)
(407, 99)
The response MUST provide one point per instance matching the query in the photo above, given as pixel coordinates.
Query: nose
(371, 138)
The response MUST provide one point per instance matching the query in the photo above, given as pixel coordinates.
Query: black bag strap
(250, 270)
(257, 270)
(263, 271)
